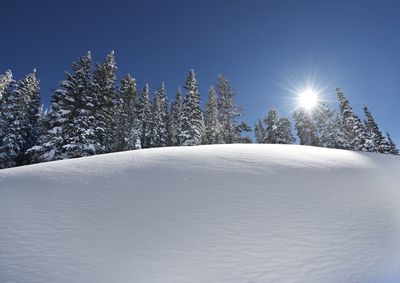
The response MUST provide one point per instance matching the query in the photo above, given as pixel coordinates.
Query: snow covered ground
(223, 213)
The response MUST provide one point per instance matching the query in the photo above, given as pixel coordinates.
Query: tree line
(325, 127)
(91, 114)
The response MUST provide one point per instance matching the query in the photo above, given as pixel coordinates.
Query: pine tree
(241, 128)
(228, 110)
(159, 118)
(392, 145)
(127, 136)
(306, 129)
(211, 122)
(354, 131)
(33, 110)
(340, 139)
(192, 116)
(326, 122)
(274, 129)
(105, 103)
(5, 82)
(71, 131)
(51, 140)
(284, 135)
(175, 125)
(21, 115)
(259, 131)
(375, 138)
(144, 117)
(80, 133)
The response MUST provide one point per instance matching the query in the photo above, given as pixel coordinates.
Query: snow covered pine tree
(306, 129)
(374, 138)
(144, 117)
(175, 119)
(21, 118)
(127, 133)
(211, 122)
(192, 116)
(71, 131)
(353, 129)
(159, 118)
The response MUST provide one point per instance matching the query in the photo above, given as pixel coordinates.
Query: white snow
(222, 213)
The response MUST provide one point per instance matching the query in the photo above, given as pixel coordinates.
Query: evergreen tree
(259, 131)
(175, 125)
(33, 110)
(338, 128)
(274, 129)
(105, 104)
(127, 136)
(13, 139)
(375, 138)
(243, 127)
(306, 129)
(192, 116)
(159, 118)
(392, 145)
(354, 131)
(326, 122)
(71, 131)
(5, 82)
(144, 117)
(228, 111)
(21, 116)
(284, 133)
(212, 127)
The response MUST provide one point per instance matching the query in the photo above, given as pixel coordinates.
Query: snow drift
(222, 213)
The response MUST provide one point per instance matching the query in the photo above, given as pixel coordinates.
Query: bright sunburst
(308, 99)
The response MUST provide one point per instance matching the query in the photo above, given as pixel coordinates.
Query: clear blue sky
(262, 47)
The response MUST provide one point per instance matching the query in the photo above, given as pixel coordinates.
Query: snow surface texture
(222, 213)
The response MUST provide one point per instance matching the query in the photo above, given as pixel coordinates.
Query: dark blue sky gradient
(262, 47)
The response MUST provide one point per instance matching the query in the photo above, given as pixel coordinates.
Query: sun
(308, 99)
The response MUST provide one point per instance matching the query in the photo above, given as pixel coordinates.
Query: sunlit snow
(221, 213)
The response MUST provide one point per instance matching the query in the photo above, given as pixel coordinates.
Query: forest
(92, 113)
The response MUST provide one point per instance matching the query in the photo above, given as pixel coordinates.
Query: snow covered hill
(222, 213)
